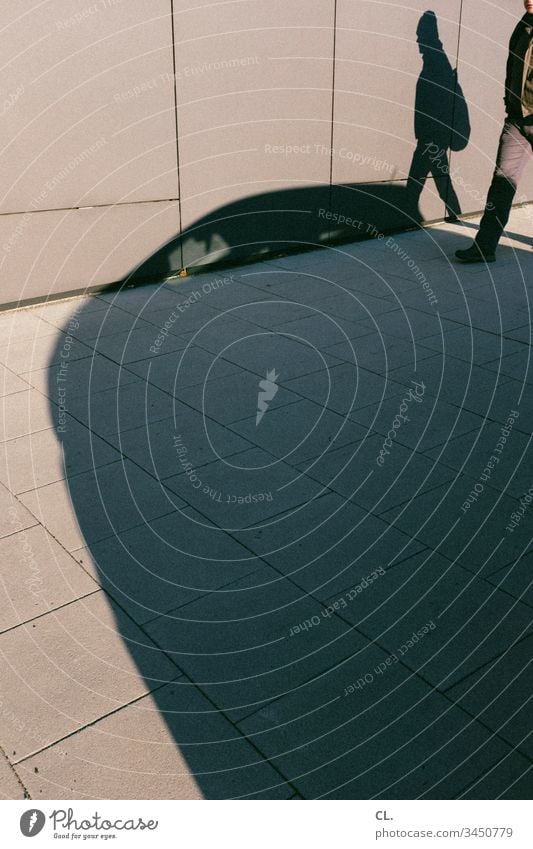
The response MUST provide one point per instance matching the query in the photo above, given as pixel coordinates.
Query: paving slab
(23, 413)
(391, 738)
(32, 461)
(171, 744)
(30, 354)
(176, 371)
(299, 431)
(13, 515)
(99, 503)
(477, 536)
(245, 489)
(232, 398)
(474, 346)
(160, 447)
(416, 425)
(345, 388)
(69, 668)
(109, 412)
(500, 694)
(238, 646)
(79, 377)
(10, 382)
(159, 566)
(441, 620)
(357, 472)
(37, 576)
(503, 461)
(10, 784)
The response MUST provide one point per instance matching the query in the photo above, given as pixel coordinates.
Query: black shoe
(474, 254)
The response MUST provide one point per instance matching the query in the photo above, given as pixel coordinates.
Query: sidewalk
(267, 532)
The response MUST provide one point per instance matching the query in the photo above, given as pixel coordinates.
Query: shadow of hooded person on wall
(441, 119)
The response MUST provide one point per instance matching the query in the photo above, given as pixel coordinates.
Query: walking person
(516, 143)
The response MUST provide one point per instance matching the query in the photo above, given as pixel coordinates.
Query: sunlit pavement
(266, 532)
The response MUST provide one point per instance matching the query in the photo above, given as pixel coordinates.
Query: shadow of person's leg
(418, 173)
(440, 170)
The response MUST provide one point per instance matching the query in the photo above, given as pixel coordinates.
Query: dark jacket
(519, 77)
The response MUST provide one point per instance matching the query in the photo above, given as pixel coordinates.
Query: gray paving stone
(137, 344)
(300, 431)
(59, 312)
(515, 579)
(37, 576)
(508, 456)
(500, 693)
(345, 388)
(159, 566)
(477, 537)
(188, 320)
(234, 293)
(10, 785)
(32, 461)
(99, 503)
(32, 354)
(472, 345)
(99, 323)
(393, 738)
(299, 287)
(470, 621)
(232, 398)
(333, 324)
(111, 411)
(142, 299)
(157, 450)
(268, 350)
(24, 413)
(247, 489)
(10, 382)
(21, 325)
(517, 365)
(223, 331)
(238, 646)
(453, 381)
(71, 667)
(521, 334)
(169, 745)
(488, 317)
(511, 778)
(177, 371)
(430, 423)
(380, 354)
(409, 324)
(513, 395)
(80, 377)
(329, 546)
(447, 300)
(270, 312)
(13, 515)
(354, 472)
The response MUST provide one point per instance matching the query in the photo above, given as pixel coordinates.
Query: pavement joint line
(65, 604)
(93, 722)
(15, 773)
(472, 784)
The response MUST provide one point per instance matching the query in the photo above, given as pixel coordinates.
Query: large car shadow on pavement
(250, 560)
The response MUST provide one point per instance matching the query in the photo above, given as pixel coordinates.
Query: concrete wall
(148, 136)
